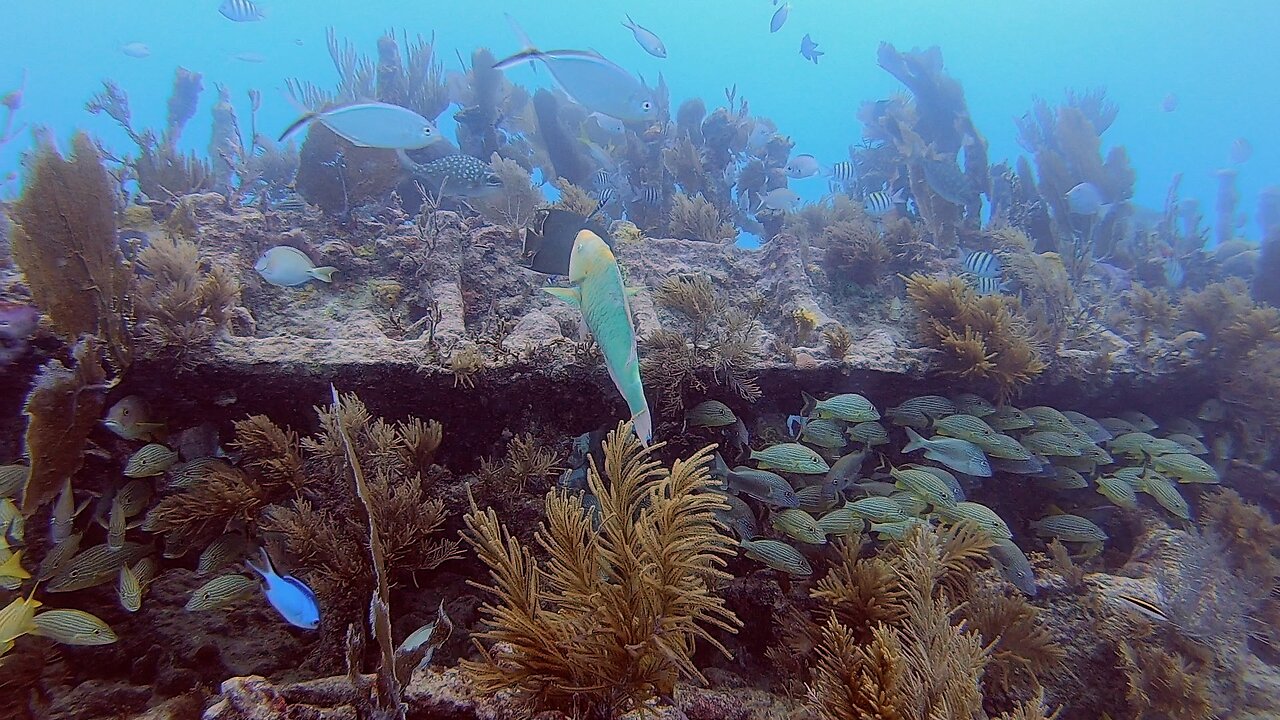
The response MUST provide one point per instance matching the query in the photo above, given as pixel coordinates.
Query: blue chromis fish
(285, 266)
(592, 81)
(809, 49)
(599, 293)
(455, 176)
(779, 17)
(651, 43)
(241, 11)
(131, 419)
(373, 125)
(289, 596)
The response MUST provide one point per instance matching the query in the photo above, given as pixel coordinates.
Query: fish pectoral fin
(571, 295)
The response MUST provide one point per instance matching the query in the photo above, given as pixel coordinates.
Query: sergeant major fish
(241, 11)
(599, 293)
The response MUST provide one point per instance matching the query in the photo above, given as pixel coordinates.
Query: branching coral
(321, 531)
(720, 339)
(855, 252)
(1021, 647)
(1162, 684)
(861, 593)
(838, 340)
(64, 239)
(920, 662)
(611, 618)
(179, 305)
(696, 218)
(981, 338)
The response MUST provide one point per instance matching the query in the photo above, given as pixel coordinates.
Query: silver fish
(592, 81)
(374, 125)
(651, 43)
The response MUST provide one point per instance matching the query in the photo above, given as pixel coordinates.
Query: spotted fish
(460, 176)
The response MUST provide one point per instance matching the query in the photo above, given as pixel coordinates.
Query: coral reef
(611, 619)
(64, 239)
(180, 306)
(981, 339)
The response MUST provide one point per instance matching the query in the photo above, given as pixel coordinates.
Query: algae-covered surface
(955, 440)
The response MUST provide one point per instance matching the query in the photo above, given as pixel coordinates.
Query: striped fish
(980, 515)
(985, 286)
(606, 195)
(824, 433)
(850, 407)
(72, 627)
(925, 485)
(1047, 418)
(877, 509)
(869, 433)
(841, 521)
(220, 591)
(791, 457)
(1071, 528)
(911, 505)
(220, 553)
(710, 413)
(1118, 491)
(602, 178)
(799, 525)
(1142, 421)
(1190, 444)
(965, 427)
(982, 264)
(58, 556)
(1186, 468)
(1165, 493)
(12, 478)
(241, 11)
(95, 566)
(881, 202)
(974, 405)
(651, 195)
(1088, 426)
(777, 555)
(896, 530)
(149, 461)
(844, 171)
(1008, 417)
(129, 589)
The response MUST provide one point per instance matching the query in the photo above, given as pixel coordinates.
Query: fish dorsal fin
(571, 295)
(1055, 510)
(301, 586)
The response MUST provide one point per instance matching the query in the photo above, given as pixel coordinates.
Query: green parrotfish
(606, 312)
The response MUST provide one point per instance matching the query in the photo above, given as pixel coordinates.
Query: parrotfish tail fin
(324, 274)
(305, 119)
(810, 402)
(642, 423)
(917, 442)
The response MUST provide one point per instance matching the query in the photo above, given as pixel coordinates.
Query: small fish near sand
(373, 125)
(295, 602)
(286, 266)
(651, 43)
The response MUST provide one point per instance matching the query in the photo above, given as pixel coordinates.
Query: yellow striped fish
(129, 589)
(72, 627)
(777, 555)
(798, 525)
(149, 461)
(220, 591)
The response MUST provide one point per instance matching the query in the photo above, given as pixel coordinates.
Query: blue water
(1218, 58)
